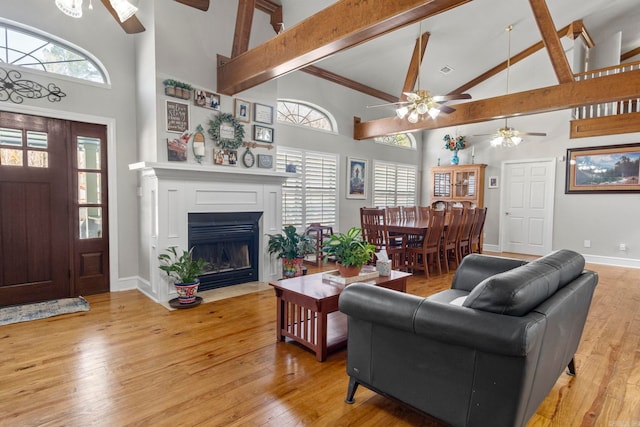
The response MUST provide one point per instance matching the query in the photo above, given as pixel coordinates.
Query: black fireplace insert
(229, 242)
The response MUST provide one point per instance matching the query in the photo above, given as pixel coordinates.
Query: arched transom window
(305, 114)
(404, 140)
(25, 48)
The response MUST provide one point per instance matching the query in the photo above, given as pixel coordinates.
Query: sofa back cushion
(516, 292)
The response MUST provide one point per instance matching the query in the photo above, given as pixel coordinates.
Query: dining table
(408, 226)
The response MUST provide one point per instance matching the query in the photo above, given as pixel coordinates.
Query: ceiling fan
(420, 101)
(507, 136)
(121, 10)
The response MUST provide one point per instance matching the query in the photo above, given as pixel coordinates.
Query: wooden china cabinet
(458, 183)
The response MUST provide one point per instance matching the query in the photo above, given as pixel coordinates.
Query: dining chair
(464, 239)
(450, 239)
(393, 213)
(373, 222)
(423, 212)
(476, 232)
(419, 258)
(409, 213)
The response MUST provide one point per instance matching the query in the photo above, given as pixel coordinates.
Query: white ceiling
(471, 39)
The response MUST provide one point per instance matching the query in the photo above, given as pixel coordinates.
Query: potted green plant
(170, 87)
(350, 251)
(184, 270)
(291, 247)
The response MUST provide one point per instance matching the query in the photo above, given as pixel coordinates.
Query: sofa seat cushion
(515, 292)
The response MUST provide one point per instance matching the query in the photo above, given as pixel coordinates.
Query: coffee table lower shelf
(336, 335)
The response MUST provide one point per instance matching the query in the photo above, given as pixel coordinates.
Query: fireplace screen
(229, 243)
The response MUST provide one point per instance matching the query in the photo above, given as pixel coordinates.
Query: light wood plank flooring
(131, 362)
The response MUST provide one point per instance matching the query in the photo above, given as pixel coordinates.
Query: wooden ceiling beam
(414, 66)
(274, 11)
(503, 65)
(340, 26)
(551, 41)
(242, 33)
(615, 87)
(630, 54)
(578, 30)
(351, 84)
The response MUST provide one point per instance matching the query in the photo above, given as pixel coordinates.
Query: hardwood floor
(130, 361)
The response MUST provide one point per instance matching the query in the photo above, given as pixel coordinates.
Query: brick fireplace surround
(170, 191)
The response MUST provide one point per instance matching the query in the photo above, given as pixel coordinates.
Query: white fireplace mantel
(170, 191)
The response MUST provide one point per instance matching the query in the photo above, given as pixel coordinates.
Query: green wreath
(227, 143)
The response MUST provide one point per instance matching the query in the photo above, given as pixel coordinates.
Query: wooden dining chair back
(393, 214)
(420, 258)
(373, 223)
(409, 213)
(450, 240)
(423, 212)
(476, 231)
(464, 239)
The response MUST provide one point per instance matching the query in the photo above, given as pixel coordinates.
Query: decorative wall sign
(356, 178)
(13, 88)
(225, 157)
(263, 113)
(198, 143)
(611, 168)
(242, 110)
(226, 131)
(205, 99)
(265, 161)
(177, 148)
(262, 133)
(177, 116)
(248, 158)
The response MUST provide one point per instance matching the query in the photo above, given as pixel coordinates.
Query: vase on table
(455, 160)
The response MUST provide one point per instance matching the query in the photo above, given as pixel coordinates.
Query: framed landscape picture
(356, 178)
(612, 168)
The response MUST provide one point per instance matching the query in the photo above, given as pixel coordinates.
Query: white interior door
(527, 206)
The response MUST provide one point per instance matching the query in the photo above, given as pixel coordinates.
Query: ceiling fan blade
(387, 104)
(130, 26)
(533, 133)
(441, 98)
(446, 109)
(198, 4)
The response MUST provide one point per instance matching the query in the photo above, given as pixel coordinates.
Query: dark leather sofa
(485, 352)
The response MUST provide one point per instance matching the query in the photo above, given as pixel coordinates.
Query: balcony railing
(609, 108)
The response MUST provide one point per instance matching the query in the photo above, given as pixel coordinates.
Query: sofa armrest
(451, 324)
(377, 304)
(474, 268)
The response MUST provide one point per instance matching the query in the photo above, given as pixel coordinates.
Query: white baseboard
(125, 284)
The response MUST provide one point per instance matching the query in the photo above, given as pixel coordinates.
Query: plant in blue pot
(184, 270)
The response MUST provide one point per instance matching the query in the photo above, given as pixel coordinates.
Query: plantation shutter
(394, 184)
(312, 196)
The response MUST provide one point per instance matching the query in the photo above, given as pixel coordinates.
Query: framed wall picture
(263, 113)
(265, 161)
(262, 133)
(493, 182)
(177, 116)
(356, 178)
(225, 157)
(205, 99)
(242, 110)
(611, 168)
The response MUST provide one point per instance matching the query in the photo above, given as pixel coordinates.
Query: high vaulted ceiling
(470, 39)
(357, 42)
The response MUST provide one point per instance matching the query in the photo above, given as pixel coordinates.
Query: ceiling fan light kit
(72, 8)
(507, 136)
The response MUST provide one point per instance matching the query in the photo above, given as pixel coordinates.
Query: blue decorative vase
(455, 160)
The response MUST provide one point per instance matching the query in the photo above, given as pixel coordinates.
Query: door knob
(506, 213)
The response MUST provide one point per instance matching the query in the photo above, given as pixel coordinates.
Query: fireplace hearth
(229, 243)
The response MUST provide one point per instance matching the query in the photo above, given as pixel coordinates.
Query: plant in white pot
(184, 271)
(350, 251)
(292, 247)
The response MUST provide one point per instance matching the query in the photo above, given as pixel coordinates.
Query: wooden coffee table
(308, 310)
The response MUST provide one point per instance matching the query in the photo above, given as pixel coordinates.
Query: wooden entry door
(40, 206)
